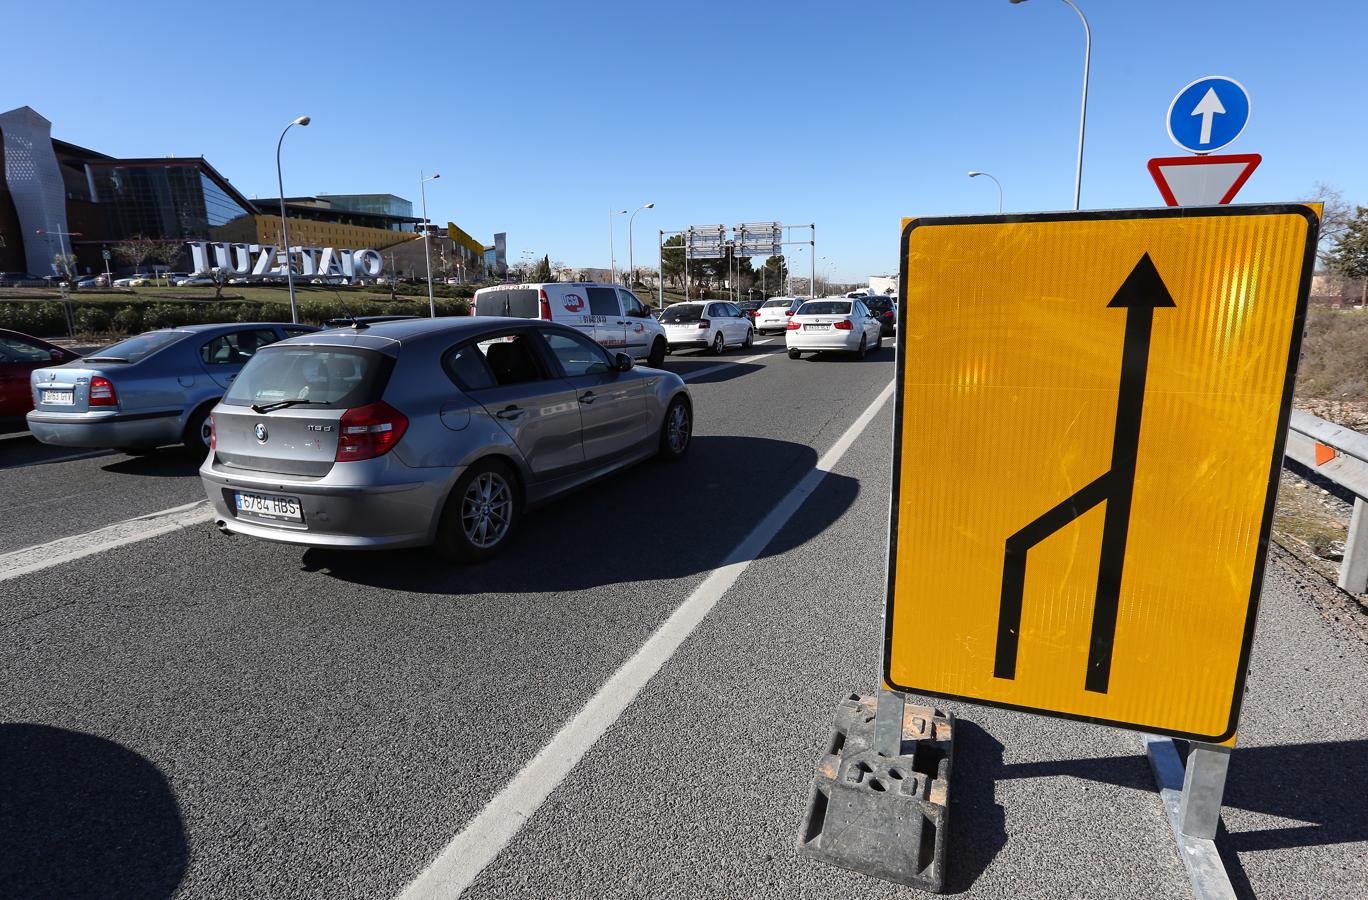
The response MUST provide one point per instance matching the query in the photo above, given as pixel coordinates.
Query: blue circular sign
(1208, 114)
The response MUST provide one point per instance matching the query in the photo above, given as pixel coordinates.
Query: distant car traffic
(611, 315)
(750, 309)
(833, 324)
(20, 354)
(192, 280)
(93, 281)
(884, 309)
(714, 324)
(774, 314)
(137, 280)
(430, 432)
(147, 391)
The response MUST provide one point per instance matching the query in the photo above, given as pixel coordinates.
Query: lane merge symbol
(1140, 295)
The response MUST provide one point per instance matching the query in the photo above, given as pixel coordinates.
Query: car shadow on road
(170, 463)
(81, 816)
(652, 522)
(1322, 785)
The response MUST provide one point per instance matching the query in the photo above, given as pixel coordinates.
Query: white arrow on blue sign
(1208, 114)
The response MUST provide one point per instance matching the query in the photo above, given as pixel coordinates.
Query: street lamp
(427, 230)
(612, 257)
(631, 257)
(285, 223)
(996, 182)
(1083, 112)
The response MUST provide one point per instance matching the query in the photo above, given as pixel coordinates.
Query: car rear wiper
(283, 404)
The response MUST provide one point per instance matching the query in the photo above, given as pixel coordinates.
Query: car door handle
(509, 412)
(587, 397)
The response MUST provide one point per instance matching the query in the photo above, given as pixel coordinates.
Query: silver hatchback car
(429, 432)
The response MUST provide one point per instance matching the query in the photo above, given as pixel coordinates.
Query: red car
(19, 356)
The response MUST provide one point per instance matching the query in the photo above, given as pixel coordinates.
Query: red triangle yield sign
(1202, 180)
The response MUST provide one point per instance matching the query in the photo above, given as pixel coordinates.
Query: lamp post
(612, 257)
(996, 182)
(285, 222)
(631, 256)
(1083, 111)
(427, 233)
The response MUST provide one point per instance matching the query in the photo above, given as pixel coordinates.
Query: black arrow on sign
(1140, 295)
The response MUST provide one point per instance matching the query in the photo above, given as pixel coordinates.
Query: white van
(609, 313)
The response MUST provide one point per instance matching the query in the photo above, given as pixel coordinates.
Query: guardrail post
(1353, 573)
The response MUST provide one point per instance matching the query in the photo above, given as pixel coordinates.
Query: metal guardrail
(1340, 455)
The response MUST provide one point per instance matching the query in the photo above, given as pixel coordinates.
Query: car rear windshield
(523, 304)
(328, 377)
(777, 301)
(879, 303)
(136, 349)
(683, 312)
(824, 308)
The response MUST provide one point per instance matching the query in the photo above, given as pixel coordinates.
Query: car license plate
(59, 398)
(818, 327)
(270, 506)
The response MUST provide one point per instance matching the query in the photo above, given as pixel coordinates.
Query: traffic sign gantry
(1208, 114)
(1091, 411)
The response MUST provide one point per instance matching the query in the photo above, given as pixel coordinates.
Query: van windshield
(330, 377)
(521, 304)
(683, 312)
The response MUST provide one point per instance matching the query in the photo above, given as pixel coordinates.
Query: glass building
(165, 198)
(375, 204)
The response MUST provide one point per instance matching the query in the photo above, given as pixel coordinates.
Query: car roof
(412, 329)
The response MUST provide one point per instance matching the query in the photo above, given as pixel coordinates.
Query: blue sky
(848, 115)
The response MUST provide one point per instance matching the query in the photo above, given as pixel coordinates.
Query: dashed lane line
(462, 860)
(78, 546)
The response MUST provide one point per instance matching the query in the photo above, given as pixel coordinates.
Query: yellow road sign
(1091, 411)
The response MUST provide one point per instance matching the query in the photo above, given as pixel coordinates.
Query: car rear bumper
(845, 341)
(106, 429)
(358, 505)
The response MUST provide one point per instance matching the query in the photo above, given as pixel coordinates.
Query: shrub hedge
(45, 319)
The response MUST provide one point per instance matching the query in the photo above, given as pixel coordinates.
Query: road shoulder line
(78, 546)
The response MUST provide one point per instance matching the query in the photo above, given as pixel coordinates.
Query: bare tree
(67, 263)
(1335, 218)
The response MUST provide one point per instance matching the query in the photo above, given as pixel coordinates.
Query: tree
(1335, 218)
(773, 274)
(1350, 254)
(220, 274)
(542, 272)
(672, 260)
(66, 262)
(139, 249)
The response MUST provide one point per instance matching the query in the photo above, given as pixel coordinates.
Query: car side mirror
(623, 363)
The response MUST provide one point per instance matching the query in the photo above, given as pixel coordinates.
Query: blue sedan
(147, 391)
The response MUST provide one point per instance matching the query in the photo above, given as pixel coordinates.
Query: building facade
(58, 199)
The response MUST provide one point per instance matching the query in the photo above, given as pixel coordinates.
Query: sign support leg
(888, 723)
(1353, 573)
(1192, 801)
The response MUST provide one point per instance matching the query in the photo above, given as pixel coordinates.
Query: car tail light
(213, 434)
(102, 392)
(794, 326)
(545, 305)
(788, 312)
(369, 431)
(704, 323)
(844, 325)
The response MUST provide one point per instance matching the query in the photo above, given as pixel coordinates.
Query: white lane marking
(720, 366)
(13, 435)
(462, 860)
(130, 531)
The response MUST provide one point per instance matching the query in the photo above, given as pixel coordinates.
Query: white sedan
(833, 323)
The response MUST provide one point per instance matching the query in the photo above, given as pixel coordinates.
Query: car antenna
(357, 324)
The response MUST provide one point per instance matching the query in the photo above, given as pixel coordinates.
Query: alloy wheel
(486, 510)
(677, 429)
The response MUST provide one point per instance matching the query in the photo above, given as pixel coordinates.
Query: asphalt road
(194, 715)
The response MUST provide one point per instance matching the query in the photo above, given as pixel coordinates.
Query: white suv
(608, 313)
